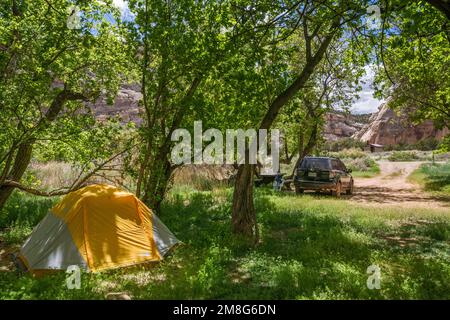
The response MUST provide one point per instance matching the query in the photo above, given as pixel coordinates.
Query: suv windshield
(315, 163)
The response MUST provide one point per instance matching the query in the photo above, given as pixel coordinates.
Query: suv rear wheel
(337, 191)
(350, 189)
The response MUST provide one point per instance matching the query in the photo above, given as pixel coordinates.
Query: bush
(427, 144)
(352, 153)
(16, 233)
(444, 146)
(347, 143)
(403, 156)
(365, 164)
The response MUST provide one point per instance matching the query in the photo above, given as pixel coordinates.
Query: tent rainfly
(97, 227)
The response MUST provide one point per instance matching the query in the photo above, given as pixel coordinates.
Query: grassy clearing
(433, 177)
(372, 172)
(313, 247)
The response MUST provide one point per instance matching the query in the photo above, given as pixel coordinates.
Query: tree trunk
(308, 148)
(301, 143)
(157, 168)
(157, 185)
(142, 169)
(21, 162)
(243, 215)
(25, 148)
(158, 175)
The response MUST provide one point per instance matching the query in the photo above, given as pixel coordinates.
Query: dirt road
(392, 187)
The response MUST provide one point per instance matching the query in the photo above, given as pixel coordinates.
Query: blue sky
(365, 104)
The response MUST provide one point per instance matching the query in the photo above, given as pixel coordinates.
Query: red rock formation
(125, 106)
(387, 128)
(339, 125)
(384, 127)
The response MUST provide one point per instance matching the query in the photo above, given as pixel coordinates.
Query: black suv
(323, 174)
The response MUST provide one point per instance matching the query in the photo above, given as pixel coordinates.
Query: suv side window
(335, 164)
(342, 165)
(338, 165)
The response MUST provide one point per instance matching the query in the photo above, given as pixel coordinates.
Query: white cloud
(121, 4)
(366, 102)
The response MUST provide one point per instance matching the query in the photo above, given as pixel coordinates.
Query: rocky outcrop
(385, 127)
(340, 125)
(125, 107)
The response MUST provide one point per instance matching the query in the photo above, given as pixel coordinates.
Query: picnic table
(263, 179)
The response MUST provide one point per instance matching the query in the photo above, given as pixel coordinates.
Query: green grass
(372, 172)
(20, 214)
(418, 176)
(433, 177)
(313, 247)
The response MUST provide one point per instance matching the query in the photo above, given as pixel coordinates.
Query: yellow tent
(97, 227)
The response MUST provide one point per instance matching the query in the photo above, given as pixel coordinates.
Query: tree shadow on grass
(302, 254)
(296, 253)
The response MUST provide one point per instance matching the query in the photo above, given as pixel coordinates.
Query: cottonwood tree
(324, 23)
(332, 88)
(169, 44)
(51, 62)
(441, 5)
(413, 48)
(176, 48)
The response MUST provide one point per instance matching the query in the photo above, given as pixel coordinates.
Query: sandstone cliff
(125, 107)
(383, 127)
(340, 125)
(387, 128)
